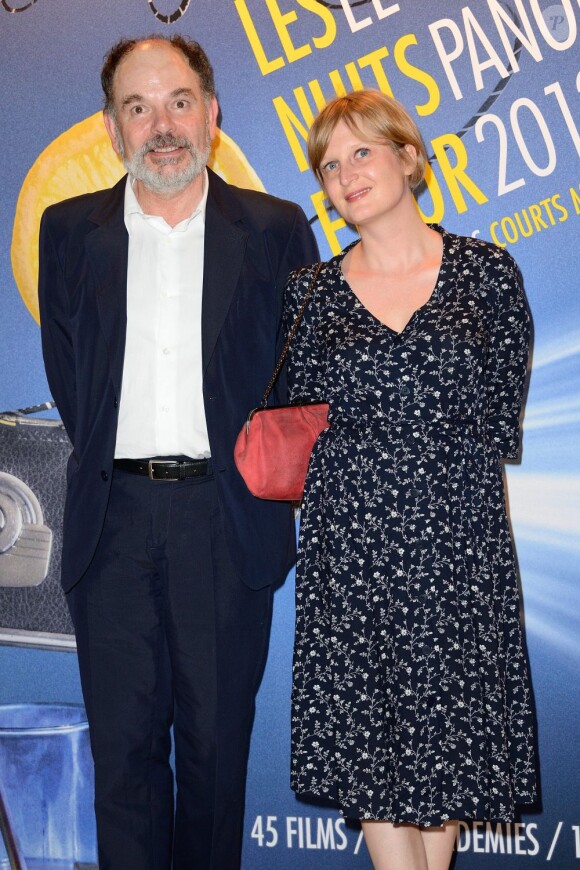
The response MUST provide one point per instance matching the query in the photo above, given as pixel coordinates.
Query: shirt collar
(132, 206)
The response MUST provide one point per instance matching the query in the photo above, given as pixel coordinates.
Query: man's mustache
(165, 140)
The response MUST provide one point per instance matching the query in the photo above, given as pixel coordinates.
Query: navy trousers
(168, 636)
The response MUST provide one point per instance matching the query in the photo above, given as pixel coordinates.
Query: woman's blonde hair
(384, 116)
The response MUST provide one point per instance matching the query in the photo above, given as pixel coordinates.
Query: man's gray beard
(156, 180)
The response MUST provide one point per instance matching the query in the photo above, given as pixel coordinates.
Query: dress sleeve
(305, 358)
(507, 359)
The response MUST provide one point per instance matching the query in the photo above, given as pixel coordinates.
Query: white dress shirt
(161, 410)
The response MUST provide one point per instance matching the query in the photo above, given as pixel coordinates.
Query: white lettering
(502, 17)
(383, 13)
(548, 34)
(524, 102)
(352, 22)
(342, 842)
(472, 28)
(463, 837)
(556, 89)
(478, 837)
(559, 30)
(325, 834)
(447, 57)
(293, 831)
(494, 842)
(310, 843)
(535, 845)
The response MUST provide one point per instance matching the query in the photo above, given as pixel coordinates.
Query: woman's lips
(356, 194)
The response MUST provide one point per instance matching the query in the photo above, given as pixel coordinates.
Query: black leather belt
(165, 469)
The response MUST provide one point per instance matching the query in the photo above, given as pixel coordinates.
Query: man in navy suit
(160, 308)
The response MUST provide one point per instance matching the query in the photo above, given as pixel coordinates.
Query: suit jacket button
(116, 402)
(104, 476)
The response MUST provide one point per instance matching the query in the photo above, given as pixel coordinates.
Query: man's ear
(212, 114)
(113, 132)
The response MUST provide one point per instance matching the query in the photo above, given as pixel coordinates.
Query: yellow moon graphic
(81, 160)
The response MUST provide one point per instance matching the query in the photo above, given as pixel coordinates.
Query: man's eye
(137, 110)
(180, 104)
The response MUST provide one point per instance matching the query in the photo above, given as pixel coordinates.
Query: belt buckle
(153, 462)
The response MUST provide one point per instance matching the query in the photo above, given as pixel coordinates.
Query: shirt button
(166, 351)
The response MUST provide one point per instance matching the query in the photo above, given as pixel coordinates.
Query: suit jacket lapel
(224, 250)
(107, 250)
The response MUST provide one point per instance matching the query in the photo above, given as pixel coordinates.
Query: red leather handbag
(273, 449)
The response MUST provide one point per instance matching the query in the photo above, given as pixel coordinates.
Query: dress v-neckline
(359, 304)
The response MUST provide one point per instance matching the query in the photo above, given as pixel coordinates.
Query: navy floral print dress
(411, 696)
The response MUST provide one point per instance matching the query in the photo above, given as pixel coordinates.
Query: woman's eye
(329, 167)
(363, 152)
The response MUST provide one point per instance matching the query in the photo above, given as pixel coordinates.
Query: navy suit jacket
(252, 242)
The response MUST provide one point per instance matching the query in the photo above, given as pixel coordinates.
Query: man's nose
(162, 120)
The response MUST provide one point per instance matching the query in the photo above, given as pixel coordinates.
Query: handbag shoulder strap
(292, 332)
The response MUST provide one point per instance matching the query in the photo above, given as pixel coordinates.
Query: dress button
(104, 475)
(405, 391)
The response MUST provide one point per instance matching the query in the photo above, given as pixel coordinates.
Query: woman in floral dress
(411, 696)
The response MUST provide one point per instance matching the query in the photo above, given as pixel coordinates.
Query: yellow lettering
(417, 75)
(292, 124)
(546, 203)
(266, 66)
(434, 189)
(337, 83)
(330, 227)
(575, 197)
(317, 94)
(354, 77)
(374, 61)
(508, 226)
(456, 175)
(562, 209)
(329, 34)
(536, 213)
(493, 235)
(281, 22)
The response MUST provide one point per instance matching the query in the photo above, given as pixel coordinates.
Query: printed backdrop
(494, 86)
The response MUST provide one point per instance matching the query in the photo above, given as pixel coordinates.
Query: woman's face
(365, 179)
